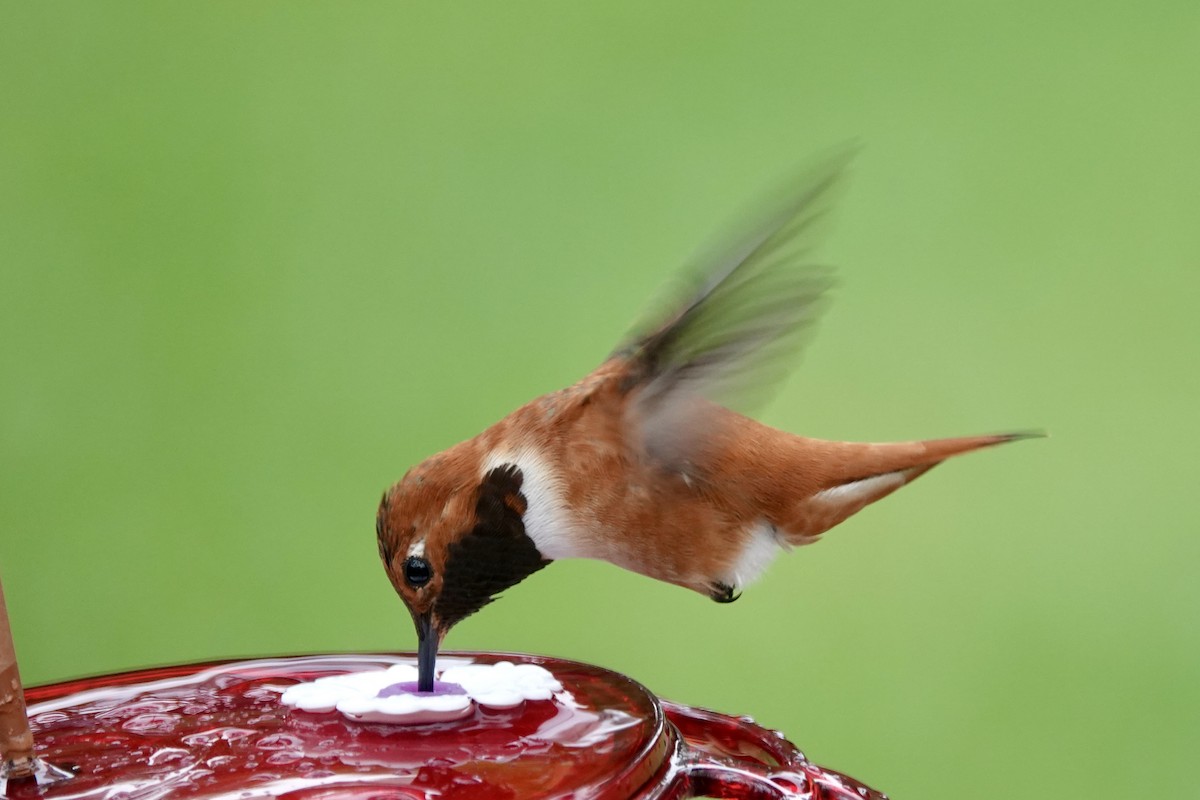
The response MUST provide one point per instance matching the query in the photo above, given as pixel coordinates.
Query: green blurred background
(256, 259)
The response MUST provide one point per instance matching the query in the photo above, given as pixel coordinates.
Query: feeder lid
(219, 730)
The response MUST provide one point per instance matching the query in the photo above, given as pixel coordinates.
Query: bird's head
(451, 540)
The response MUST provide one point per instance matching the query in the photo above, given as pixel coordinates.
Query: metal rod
(16, 739)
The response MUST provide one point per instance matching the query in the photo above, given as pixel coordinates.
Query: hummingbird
(644, 463)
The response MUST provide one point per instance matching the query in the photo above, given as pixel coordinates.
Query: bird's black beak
(427, 647)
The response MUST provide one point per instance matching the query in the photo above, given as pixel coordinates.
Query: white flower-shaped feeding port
(390, 695)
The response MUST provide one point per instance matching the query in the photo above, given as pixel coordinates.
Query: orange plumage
(637, 464)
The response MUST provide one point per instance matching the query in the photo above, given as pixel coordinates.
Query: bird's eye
(417, 571)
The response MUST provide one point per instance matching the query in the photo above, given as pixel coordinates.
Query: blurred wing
(748, 310)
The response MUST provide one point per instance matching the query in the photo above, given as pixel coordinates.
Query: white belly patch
(757, 554)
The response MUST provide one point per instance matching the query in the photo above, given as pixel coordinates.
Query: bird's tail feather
(857, 474)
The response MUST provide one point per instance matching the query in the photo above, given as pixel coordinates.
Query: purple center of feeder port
(440, 689)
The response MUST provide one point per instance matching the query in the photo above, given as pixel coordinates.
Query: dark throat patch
(494, 555)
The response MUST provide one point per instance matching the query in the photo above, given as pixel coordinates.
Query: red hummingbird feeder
(219, 731)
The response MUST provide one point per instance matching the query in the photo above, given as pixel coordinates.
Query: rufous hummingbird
(639, 464)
